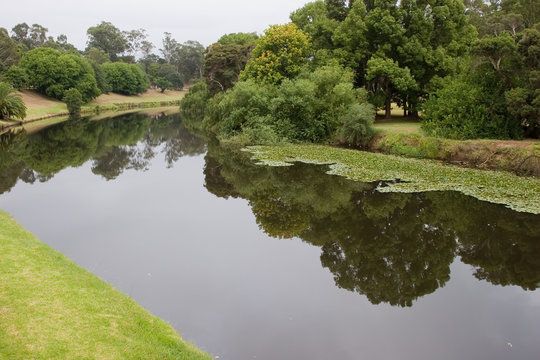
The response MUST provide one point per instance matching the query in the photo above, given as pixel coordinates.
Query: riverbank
(41, 107)
(401, 174)
(52, 309)
(405, 138)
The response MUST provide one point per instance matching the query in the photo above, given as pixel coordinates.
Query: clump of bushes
(315, 106)
(459, 110)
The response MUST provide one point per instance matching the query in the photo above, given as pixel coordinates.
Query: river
(256, 262)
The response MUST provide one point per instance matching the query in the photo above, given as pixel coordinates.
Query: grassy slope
(403, 126)
(404, 137)
(40, 106)
(52, 309)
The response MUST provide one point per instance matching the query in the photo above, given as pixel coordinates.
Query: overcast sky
(201, 20)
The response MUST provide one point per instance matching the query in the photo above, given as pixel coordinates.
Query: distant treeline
(113, 61)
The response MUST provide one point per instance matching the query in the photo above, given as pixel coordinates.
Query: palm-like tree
(11, 103)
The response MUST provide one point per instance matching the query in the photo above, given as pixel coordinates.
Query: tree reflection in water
(113, 145)
(391, 247)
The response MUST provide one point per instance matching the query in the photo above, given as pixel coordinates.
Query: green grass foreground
(518, 193)
(51, 308)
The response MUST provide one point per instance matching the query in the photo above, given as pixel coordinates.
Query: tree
(108, 38)
(436, 36)
(223, 64)
(20, 34)
(16, 76)
(9, 55)
(314, 19)
(387, 78)
(29, 37)
(351, 42)
(188, 59)
(135, 39)
(73, 100)
(279, 54)
(164, 76)
(193, 105)
(170, 47)
(127, 79)
(247, 39)
(337, 9)
(52, 72)
(11, 103)
(146, 48)
(97, 56)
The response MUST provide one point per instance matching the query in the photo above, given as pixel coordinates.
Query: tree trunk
(388, 110)
(404, 108)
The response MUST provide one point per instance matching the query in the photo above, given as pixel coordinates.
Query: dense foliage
(278, 96)
(309, 107)
(11, 104)
(497, 94)
(470, 69)
(278, 55)
(73, 100)
(52, 72)
(127, 79)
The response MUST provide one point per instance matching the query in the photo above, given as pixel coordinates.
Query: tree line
(468, 70)
(117, 61)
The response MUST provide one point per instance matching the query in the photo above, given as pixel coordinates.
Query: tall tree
(170, 47)
(188, 59)
(314, 19)
(9, 54)
(223, 64)
(135, 39)
(108, 38)
(29, 37)
(279, 54)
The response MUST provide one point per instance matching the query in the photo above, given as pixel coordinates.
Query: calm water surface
(252, 262)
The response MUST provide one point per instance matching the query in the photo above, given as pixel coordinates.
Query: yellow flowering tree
(279, 54)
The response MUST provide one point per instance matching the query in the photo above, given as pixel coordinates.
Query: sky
(201, 20)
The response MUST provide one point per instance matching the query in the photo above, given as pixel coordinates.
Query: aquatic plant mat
(399, 174)
(52, 309)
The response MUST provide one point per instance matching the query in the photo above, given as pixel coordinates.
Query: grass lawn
(52, 309)
(150, 95)
(40, 106)
(401, 126)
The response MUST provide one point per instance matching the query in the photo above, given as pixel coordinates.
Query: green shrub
(127, 79)
(73, 100)
(459, 110)
(310, 107)
(11, 103)
(52, 72)
(193, 105)
(16, 76)
(413, 145)
(357, 127)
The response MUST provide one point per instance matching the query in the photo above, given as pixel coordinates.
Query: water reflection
(392, 248)
(113, 145)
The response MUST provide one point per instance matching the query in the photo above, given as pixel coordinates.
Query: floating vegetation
(398, 174)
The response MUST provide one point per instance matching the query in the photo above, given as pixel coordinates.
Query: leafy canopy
(279, 54)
